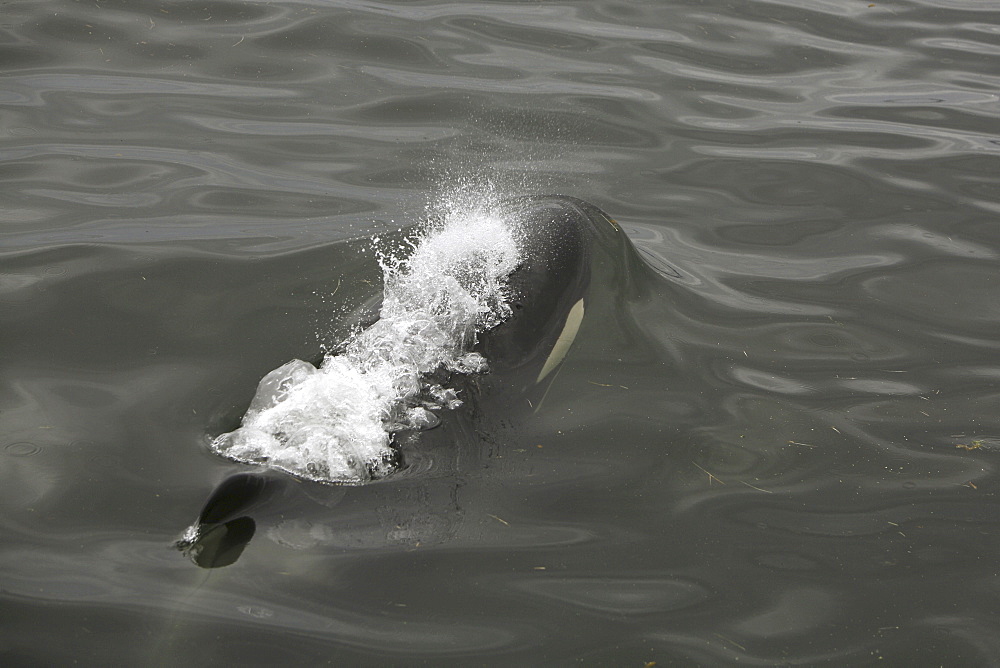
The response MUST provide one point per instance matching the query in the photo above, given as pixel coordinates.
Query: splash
(335, 423)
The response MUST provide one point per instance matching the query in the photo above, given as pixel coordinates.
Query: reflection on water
(776, 445)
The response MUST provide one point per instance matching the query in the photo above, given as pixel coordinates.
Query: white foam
(334, 423)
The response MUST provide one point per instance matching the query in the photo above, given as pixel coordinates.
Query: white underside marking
(564, 341)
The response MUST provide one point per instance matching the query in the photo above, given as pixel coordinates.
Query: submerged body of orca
(565, 243)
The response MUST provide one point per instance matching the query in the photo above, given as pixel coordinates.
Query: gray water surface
(780, 448)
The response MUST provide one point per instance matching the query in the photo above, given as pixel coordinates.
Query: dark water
(779, 449)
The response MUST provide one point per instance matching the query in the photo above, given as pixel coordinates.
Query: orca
(563, 241)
